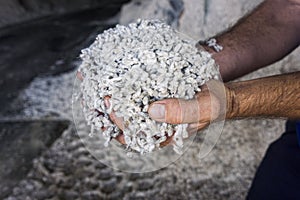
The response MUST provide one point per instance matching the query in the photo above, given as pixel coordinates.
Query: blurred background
(41, 155)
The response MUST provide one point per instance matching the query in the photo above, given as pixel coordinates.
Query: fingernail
(157, 112)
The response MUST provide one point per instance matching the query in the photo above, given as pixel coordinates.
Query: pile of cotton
(135, 65)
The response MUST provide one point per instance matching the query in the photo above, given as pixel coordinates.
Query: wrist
(232, 104)
(217, 101)
(225, 58)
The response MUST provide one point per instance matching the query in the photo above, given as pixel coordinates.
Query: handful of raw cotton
(135, 65)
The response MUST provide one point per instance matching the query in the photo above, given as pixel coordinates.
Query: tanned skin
(276, 96)
(265, 36)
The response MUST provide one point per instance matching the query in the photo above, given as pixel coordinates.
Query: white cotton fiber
(136, 65)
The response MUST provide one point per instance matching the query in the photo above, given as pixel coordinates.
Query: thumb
(178, 111)
(208, 105)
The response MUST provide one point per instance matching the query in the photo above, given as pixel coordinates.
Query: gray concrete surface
(67, 170)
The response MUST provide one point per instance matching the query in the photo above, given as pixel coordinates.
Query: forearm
(269, 33)
(276, 96)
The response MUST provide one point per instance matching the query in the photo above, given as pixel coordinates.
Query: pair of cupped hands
(207, 106)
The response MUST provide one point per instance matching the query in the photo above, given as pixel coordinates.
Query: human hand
(116, 120)
(263, 97)
(208, 105)
(197, 112)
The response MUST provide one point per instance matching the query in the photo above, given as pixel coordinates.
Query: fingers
(195, 127)
(116, 120)
(168, 141)
(79, 76)
(120, 123)
(120, 138)
(178, 111)
(205, 107)
(196, 112)
(191, 129)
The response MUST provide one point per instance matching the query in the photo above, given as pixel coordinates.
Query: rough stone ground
(68, 171)
(21, 142)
